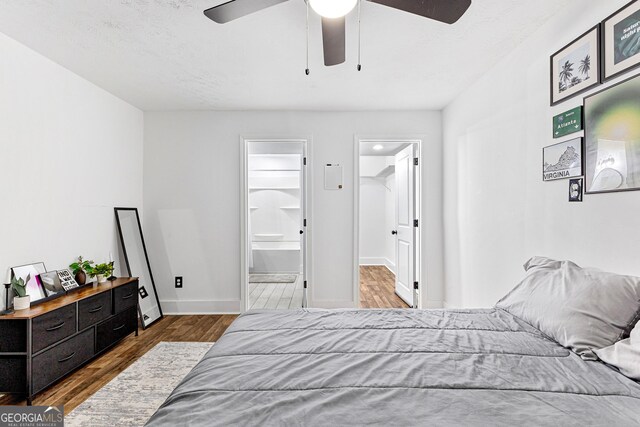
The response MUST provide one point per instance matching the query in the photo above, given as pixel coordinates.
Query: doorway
(275, 224)
(387, 223)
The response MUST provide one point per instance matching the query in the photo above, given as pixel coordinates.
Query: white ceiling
(166, 55)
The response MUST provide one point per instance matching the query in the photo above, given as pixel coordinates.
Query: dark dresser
(42, 344)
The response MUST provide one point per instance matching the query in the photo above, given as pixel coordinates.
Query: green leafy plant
(20, 285)
(104, 269)
(82, 265)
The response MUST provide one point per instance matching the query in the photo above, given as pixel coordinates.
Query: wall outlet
(178, 281)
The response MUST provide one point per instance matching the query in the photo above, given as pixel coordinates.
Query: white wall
(70, 152)
(192, 199)
(375, 225)
(497, 210)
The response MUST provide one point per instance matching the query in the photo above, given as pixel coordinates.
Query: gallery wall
(497, 210)
(70, 153)
(192, 200)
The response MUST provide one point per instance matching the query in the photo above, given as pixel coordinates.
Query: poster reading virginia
(563, 160)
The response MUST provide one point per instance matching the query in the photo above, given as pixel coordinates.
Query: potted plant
(80, 269)
(21, 301)
(102, 271)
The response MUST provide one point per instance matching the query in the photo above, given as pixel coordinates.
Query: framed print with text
(562, 160)
(621, 41)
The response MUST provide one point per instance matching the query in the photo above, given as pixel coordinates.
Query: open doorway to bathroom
(388, 200)
(275, 224)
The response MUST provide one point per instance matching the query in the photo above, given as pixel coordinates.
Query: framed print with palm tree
(621, 41)
(576, 67)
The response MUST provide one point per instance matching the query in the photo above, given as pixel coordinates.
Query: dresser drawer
(54, 326)
(125, 297)
(94, 310)
(116, 328)
(58, 361)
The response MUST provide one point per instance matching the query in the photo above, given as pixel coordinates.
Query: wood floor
(377, 288)
(276, 296)
(81, 384)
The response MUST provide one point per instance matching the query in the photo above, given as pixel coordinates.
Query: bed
(396, 367)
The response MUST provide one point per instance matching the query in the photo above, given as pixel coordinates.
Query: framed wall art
(621, 41)
(51, 283)
(562, 160)
(34, 287)
(612, 138)
(575, 67)
(575, 189)
(568, 122)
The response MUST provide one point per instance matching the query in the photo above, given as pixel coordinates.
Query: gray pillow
(581, 308)
(624, 355)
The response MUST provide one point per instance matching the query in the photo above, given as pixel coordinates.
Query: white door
(405, 215)
(304, 225)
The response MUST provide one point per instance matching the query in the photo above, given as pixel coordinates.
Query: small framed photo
(575, 189)
(576, 67)
(66, 279)
(562, 160)
(51, 283)
(621, 41)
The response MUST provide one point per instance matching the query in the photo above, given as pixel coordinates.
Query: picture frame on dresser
(35, 290)
(621, 41)
(576, 67)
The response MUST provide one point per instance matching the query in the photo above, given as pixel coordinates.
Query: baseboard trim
(200, 307)
(379, 261)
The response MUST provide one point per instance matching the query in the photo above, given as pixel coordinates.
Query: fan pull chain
(359, 36)
(306, 71)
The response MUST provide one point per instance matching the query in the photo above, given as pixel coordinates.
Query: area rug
(132, 397)
(272, 278)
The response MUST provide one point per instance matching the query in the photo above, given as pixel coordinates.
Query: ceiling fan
(333, 14)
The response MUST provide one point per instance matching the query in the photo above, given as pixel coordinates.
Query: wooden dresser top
(70, 298)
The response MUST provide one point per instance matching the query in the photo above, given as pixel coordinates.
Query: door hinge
(304, 222)
(416, 161)
(415, 223)
(304, 161)
(415, 285)
(305, 284)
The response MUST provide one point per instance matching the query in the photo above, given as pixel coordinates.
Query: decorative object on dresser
(81, 268)
(21, 300)
(576, 67)
(612, 138)
(137, 262)
(51, 283)
(562, 160)
(575, 190)
(102, 271)
(29, 273)
(66, 280)
(42, 344)
(568, 122)
(621, 41)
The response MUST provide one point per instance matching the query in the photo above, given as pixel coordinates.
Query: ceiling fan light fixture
(332, 8)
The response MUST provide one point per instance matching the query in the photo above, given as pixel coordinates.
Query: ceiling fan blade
(235, 9)
(447, 11)
(333, 40)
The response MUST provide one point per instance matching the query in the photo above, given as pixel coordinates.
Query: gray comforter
(396, 367)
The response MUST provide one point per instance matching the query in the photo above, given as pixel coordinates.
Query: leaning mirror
(137, 261)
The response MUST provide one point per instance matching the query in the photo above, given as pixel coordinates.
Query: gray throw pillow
(581, 308)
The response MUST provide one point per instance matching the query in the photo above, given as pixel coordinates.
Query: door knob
(394, 231)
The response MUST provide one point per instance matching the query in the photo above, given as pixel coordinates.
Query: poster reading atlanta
(626, 35)
(563, 160)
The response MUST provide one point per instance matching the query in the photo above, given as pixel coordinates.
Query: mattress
(396, 367)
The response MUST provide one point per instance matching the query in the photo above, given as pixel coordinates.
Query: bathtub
(276, 257)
